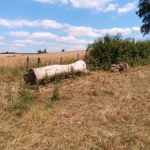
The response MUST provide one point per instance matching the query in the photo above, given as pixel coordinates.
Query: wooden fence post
(38, 61)
(27, 67)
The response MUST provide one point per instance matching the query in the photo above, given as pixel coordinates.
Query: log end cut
(30, 77)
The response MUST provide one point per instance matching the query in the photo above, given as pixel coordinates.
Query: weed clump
(24, 100)
(55, 97)
(56, 93)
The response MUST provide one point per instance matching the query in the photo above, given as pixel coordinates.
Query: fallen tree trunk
(50, 72)
(123, 66)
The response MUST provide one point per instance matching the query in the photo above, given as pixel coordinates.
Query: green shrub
(56, 93)
(114, 49)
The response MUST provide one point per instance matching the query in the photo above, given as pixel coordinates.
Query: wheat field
(95, 111)
(10, 60)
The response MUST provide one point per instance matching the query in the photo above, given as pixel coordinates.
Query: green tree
(115, 49)
(63, 50)
(144, 13)
(45, 51)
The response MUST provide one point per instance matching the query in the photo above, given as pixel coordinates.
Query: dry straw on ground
(101, 110)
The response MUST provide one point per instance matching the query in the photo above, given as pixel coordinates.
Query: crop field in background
(94, 111)
(13, 60)
(13, 66)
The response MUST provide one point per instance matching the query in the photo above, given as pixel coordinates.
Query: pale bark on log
(39, 74)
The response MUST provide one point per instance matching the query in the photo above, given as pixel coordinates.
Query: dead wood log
(123, 66)
(39, 74)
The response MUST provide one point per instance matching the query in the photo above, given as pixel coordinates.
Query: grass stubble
(101, 110)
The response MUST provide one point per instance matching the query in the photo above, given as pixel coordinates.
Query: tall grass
(19, 96)
(16, 72)
(115, 49)
(24, 99)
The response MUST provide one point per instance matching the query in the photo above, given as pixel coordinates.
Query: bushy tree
(39, 51)
(63, 50)
(45, 51)
(114, 49)
(144, 13)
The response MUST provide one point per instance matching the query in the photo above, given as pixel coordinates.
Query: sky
(31, 25)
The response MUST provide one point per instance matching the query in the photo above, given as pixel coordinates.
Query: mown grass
(101, 110)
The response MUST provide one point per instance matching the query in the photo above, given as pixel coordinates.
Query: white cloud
(28, 42)
(52, 1)
(71, 39)
(111, 7)
(127, 8)
(4, 22)
(14, 23)
(45, 1)
(75, 36)
(19, 34)
(114, 31)
(99, 5)
(96, 4)
(68, 43)
(136, 29)
(82, 31)
(73, 31)
(33, 39)
(91, 32)
(66, 47)
(50, 24)
(43, 35)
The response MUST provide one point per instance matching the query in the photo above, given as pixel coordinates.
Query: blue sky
(29, 25)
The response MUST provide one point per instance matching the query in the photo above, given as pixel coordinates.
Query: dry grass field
(11, 60)
(96, 111)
